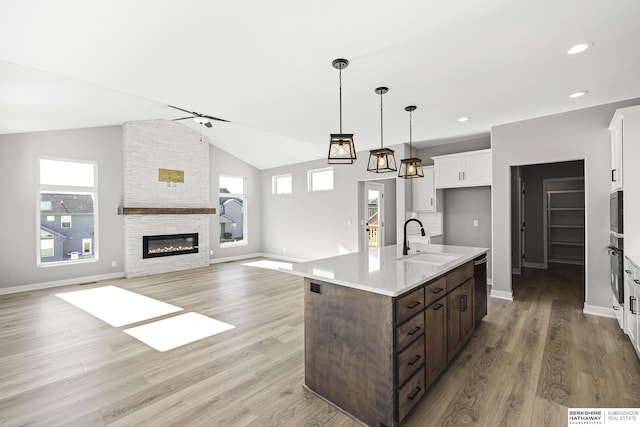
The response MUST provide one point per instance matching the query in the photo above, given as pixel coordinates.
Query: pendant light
(342, 150)
(382, 159)
(411, 167)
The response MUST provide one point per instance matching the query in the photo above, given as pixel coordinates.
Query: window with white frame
(67, 211)
(233, 211)
(320, 179)
(282, 184)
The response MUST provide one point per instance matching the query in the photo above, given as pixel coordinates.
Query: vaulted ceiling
(266, 67)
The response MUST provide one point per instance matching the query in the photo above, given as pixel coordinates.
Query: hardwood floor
(529, 360)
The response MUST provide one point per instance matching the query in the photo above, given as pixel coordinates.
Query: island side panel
(349, 350)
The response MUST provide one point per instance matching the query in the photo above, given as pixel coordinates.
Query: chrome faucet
(405, 243)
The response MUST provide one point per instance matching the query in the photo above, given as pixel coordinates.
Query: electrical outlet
(113, 263)
(475, 222)
(284, 250)
(349, 222)
(211, 252)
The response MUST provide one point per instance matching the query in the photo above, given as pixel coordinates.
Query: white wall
(575, 135)
(19, 163)
(306, 225)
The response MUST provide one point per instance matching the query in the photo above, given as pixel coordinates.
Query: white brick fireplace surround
(149, 146)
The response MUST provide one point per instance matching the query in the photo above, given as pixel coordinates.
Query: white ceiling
(266, 66)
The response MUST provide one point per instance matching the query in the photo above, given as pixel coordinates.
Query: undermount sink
(431, 258)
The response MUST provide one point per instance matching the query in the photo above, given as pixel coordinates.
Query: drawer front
(409, 305)
(410, 360)
(410, 394)
(409, 331)
(435, 290)
(459, 275)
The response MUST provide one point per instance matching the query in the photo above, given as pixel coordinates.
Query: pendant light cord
(410, 136)
(340, 81)
(381, 133)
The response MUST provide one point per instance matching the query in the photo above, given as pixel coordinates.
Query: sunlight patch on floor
(271, 265)
(117, 306)
(167, 334)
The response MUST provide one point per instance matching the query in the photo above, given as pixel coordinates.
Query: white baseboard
(254, 255)
(534, 265)
(599, 311)
(57, 283)
(501, 294)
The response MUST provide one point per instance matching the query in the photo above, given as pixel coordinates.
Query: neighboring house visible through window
(67, 228)
(233, 212)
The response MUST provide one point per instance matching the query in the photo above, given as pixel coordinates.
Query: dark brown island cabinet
(374, 356)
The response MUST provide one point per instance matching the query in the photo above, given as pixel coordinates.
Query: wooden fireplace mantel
(166, 211)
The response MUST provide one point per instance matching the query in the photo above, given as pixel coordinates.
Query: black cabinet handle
(414, 360)
(628, 271)
(415, 330)
(613, 172)
(414, 305)
(437, 306)
(631, 300)
(437, 290)
(415, 393)
(636, 281)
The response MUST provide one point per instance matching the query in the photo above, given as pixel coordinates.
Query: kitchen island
(381, 327)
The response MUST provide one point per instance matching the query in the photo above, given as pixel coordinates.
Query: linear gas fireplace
(169, 244)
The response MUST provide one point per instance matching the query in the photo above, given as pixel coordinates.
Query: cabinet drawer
(459, 275)
(410, 394)
(410, 331)
(410, 360)
(435, 290)
(409, 305)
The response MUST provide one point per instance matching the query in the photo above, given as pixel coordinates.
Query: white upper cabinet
(423, 194)
(616, 128)
(470, 169)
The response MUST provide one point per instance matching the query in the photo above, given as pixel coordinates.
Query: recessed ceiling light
(464, 119)
(578, 94)
(579, 48)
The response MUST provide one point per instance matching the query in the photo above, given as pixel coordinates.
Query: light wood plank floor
(529, 360)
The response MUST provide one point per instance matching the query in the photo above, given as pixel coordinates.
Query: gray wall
(461, 207)
(223, 163)
(19, 164)
(533, 201)
(305, 225)
(580, 134)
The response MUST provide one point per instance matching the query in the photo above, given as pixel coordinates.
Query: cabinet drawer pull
(628, 271)
(415, 393)
(414, 360)
(415, 330)
(636, 281)
(437, 290)
(414, 305)
(463, 303)
(613, 175)
(437, 306)
(631, 300)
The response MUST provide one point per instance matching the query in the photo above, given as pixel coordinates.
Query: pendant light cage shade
(382, 160)
(411, 167)
(342, 151)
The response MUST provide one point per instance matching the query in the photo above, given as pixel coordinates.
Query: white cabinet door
(616, 153)
(477, 169)
(424, 191)
(470, 169)
(448, 172)
(634, 308)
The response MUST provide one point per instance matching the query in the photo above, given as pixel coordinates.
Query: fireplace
(169, 244)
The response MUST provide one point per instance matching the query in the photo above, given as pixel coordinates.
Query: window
(281, 184)
(232, 212)
(68, 192)
(65, 221)
(320, 179)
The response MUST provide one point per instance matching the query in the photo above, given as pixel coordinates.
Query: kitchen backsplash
(432, 222)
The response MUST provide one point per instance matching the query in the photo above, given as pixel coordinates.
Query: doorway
(373, 234)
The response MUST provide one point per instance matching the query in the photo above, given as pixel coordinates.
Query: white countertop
(385, 271)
